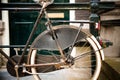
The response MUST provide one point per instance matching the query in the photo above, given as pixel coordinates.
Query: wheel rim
(91, 41)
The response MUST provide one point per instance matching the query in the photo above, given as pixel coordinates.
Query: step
(111, 69)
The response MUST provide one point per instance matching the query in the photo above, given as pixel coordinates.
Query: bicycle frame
(28, 41)
(42, 11)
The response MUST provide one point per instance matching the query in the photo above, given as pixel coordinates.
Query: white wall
(5, 37)
(72, 18)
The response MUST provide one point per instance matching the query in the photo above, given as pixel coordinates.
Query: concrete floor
(106, 74)
(5, 76)
(110, 69)
(66, 74)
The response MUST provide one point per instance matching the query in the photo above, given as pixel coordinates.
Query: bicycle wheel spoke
(86, 53)
(87, 66)
(86, 61)
(46, 69)
(44, 60)
(83, 46)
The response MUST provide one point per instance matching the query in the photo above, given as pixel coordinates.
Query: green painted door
(21, 24)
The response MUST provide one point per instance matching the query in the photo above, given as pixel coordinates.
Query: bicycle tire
(95, 56)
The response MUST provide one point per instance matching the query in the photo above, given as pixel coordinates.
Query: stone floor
(59, 75)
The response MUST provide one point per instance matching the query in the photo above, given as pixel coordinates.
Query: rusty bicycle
(60, 50)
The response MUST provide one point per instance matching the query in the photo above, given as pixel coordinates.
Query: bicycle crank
(11, 67)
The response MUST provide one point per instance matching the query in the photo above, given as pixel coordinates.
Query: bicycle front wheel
(85, 61)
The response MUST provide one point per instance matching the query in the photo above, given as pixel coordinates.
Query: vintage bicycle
(65, 48)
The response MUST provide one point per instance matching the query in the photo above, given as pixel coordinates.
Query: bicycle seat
(46, 2)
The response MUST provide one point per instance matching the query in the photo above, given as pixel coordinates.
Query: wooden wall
(111, 33)
(82, 14)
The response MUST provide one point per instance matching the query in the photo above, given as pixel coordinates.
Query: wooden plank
(56, 15)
